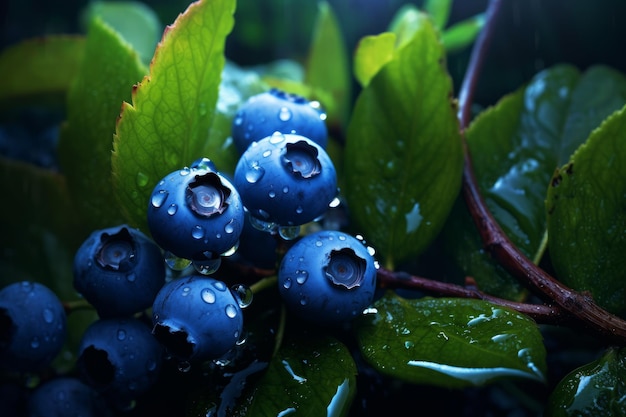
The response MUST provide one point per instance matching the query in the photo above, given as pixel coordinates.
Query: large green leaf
(515, 147)
(587, 216)
(371, 54)
(327, 67)
(167, 125)
(439, 10)
(403, 157)
(595, 389)
(39, 68)
(450, 342)
(109, 70)
(311, 375)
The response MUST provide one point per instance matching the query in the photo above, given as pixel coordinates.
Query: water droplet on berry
(172, 209)
(207, 267)
(231, 251)
(287, 283)
(184, 172)
(241, 338)
(262, 225)
(229, 227)
(27, 286)
(299, 210)
(289, 232)
(301, 276)
(208, 296)
(159, 198)
(131, 277)
(285, 189)
(303, 300)
(271, 194)
(203, 164)
(121, 334)
(284, 114)
(277, 138)
(342, 237)
(141, 179)
(243, 294)
(151, 365)
(231, 311)
(319, 243)
(176, 263)
(220, 286)
(267, 153)
(197, 232)
(254, 173)
(336, 202)
(48, 315)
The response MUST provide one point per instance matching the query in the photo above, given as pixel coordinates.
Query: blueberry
(278, 111)
(327, 277)
(65, 397)
(32, 326)
(196, 213)
(119, 358)
(119, 270)
(286, 179)
(197, 318)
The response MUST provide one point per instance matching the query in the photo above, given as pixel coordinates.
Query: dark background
(531, 34)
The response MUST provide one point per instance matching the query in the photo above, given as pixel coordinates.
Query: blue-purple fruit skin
(33, 326)
(305, 284)
(197, 318)
(127, 285)
(278, 111)
(271, 190)
(66, 396)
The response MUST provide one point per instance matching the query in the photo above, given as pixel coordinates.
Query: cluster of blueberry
(196, 216)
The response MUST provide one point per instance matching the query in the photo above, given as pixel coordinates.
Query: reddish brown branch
(495, 240)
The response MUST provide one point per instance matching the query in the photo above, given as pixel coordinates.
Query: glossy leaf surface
(450, 342)
(309, 376)
(515, 147)
(105, 80)
(587, 216)
(371, 54)
(167, 125)
(462, 34)
(403, 156)
(595, 389)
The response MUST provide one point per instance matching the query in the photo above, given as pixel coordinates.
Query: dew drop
(141, 179)
(48, 315)
(267, 153)
(336, 202)
(229, 227)
(271, 194)
(172, 209)
(176, 263)
(287, 283)
(303, 300)
(243, 294)
(184, 366)
(284, 114)
(289, 232)
(277, 138)
(299, 210)
(121, 334)
(34, 343)
(231, 311)
(151, 365)
(131, 277)
(208, 296)
(301, 276)
(254, 173)
(197, 232)
(285, 189)
(238, 120)
(207, 267)
(159, 198)
(319, 243)
(231, 251)
(184, 172)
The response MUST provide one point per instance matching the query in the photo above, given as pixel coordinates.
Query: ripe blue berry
(119, 270)
(197, 318)
(63, 397)
(277, 111)
(119, 358)
(196, 213)
(32, 326)
(288, 180)
(327, 277)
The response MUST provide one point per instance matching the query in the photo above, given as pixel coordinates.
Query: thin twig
(495, 240)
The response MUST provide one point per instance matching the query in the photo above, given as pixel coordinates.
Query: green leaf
(109, 70)
(312, 375)
(167, 126)
(407, 20)
(515, 146)
(595, 389)
(327, 66)
(25, 68)
(136, 22)
(462, 34)
(439, 10)
(587, 217)
(450, 342)
(403, 157)
(371, 54)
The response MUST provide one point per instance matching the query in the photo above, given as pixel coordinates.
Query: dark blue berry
(277, 111)
(32, 326)
(119, 270)
(327, 277)
(120, 359)
(197, 318)
(286, 179)
(66, 397)
(196, 213)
